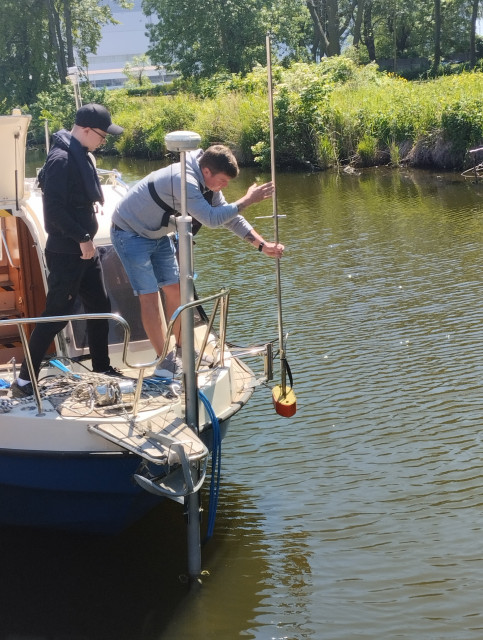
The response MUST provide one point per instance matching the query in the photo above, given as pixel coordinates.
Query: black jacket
(70, 188)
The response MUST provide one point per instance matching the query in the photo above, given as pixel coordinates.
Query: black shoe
(21, 392)
(111, 371)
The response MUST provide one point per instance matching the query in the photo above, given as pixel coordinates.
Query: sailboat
(88, 452)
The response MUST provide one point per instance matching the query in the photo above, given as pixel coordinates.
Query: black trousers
(69, 277)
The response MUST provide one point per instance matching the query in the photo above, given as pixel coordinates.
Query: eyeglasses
(99, 134)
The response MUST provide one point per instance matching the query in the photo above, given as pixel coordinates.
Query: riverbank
(327, 114)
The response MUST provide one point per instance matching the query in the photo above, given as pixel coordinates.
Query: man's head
(92, 124)
(218, 166)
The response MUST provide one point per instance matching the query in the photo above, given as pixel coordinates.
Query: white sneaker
(170, 367)
(206, 360)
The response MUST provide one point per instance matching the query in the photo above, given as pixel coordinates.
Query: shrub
(58, 107)
(367, 150)
(147, 120)
(324, 114)
(462, 123)
(394, 154)
(236, 120)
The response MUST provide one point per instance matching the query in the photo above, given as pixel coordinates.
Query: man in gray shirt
(144, 219)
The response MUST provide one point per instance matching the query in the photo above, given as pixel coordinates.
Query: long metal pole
(188, 354)
(275, 218)
(186, 278)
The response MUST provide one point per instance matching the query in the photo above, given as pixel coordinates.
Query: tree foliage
(203, 37)
(415, 28)
(25, 58)
(135, 72)
(331, 19)
(39, 40)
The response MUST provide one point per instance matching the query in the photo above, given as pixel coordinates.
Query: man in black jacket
(71, 189)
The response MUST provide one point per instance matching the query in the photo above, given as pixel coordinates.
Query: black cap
(97, 117)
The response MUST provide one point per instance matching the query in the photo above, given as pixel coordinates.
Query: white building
(120, 44)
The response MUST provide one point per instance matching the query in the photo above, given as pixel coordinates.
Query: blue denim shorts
(149, 264)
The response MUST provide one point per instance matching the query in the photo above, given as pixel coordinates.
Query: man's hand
(88, 250)
(260, 192)
(255, 193)
(273, 250)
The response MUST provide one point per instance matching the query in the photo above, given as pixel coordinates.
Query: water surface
(361, 516)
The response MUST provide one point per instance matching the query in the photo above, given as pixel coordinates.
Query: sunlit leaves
(204, 37)
(34, 33)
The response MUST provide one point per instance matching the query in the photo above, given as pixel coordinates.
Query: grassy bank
(326, 114)
(390, 120)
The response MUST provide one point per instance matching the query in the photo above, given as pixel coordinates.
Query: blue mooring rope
(215, 465)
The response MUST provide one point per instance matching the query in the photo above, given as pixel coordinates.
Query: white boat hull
(68, 459)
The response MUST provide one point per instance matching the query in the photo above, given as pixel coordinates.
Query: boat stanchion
(181, 142)
(283, 396)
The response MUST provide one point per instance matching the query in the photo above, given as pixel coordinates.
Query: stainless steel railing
(220, 303)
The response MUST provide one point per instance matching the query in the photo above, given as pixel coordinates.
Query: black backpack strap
(168, 211)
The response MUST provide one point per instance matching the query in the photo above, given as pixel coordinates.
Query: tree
(291, 25)
(437, 37)
(420, 28)
(331, 18)
(358, 18)
(135, 72)
(201, 37)
(38, 41)
(458, 28)
(368, 37)
(204, 37)
(474, 16)
(56, 38)
(398, 28)
(25, 54)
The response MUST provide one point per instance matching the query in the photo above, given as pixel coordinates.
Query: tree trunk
(56, 39)
(318, 24)
(68, 34)
(333, 27)
(437, 37)
(358, 23)
(474, 16)
(316, 45)
(369, 31)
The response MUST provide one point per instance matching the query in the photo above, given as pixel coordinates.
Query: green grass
(325, 114)
(397, 112)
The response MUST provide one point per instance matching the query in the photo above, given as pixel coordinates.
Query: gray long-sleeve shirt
(138, 212)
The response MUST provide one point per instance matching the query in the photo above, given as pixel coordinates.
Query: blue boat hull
(92, 492)
(86, 492)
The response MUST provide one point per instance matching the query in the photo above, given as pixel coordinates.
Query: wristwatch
(86, 238)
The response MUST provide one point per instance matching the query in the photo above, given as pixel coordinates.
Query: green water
(361, 516)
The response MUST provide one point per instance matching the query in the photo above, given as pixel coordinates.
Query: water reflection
(381, 464)
(131, 586)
